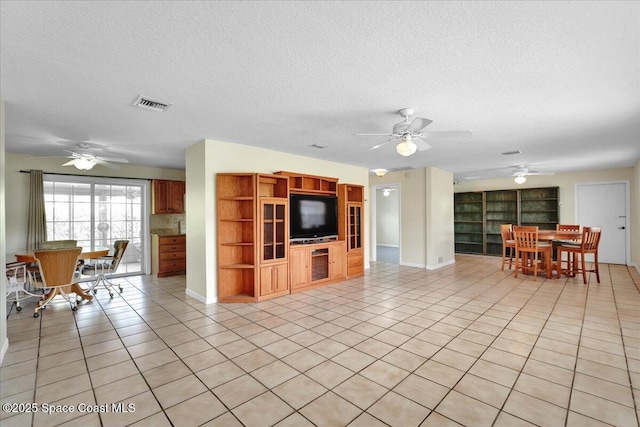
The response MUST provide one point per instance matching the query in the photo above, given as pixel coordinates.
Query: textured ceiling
(557, 80)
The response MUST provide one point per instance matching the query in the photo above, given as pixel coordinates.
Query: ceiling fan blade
(418, 124)
(106, 164)
(69, 163)
(374, 134)
(375, 147)
(447, 134)
(112, 159)
(421, 144)
(540, 173)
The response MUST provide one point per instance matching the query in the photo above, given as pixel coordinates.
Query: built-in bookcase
(253, 242)
(478, 216)
(469, 222)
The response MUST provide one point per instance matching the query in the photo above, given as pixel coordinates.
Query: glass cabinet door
(274, 230)
(355, 226)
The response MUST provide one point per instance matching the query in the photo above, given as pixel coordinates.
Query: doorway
(386, 224)
(98, 211)
(606, 204)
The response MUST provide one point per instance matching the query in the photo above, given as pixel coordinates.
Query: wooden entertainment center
(256, 260)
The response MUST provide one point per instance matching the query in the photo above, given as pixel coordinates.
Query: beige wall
(4, 342)
(566, 182)
(426, 215)
(439, 216)
(209, 157)
(17, 187)
(387, 218)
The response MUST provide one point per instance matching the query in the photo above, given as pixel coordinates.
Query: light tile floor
(463, 345)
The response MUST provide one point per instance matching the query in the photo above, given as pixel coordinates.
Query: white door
(605, 205)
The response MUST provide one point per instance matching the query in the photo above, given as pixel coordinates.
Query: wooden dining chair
(57, 268)
(508, 245)
(565, 227)
(578, 250)
(528, 248)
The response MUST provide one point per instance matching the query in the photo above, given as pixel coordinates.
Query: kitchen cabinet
(168, 197)
(168, 255)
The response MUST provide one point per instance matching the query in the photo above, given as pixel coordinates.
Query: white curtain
(37, 221)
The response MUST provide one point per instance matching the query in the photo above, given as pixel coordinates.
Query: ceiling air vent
(511, 153)
(316, 145)
(151, 104)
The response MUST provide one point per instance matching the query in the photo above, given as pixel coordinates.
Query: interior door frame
(627, 192)
(373, 234)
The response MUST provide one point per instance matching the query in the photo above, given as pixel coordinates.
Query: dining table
(549, 236)
(86, 254)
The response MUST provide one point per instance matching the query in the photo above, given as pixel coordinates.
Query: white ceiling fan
(411, 134)
(83, 158)
(519, 173)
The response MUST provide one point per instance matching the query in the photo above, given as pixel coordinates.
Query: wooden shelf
(310, 184)
(237, 266)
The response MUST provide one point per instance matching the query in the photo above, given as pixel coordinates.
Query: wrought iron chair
(101, 267)
(17, 283)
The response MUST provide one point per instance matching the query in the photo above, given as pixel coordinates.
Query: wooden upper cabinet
(168, 196)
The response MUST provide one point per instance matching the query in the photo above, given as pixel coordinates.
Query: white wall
(387, 218)
(566, 183)
(207, 158)
(635, 217)
(412, 185)
(17, 187)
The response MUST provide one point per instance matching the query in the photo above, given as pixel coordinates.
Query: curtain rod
(88, 176)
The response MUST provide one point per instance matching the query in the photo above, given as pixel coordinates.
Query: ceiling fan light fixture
(520, 179)
(379, 172)
(407, 147)
(84, 163)
(386, 192)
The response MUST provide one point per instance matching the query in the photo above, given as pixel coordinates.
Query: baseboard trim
(440, 265)
(411, 264)
(200, 298)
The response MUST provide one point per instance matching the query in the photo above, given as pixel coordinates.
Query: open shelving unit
(252, 232)
(469, 222)
(501, 208)
(310, 184)
(478, 216)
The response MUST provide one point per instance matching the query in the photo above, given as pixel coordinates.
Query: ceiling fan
(83, 158)
(85, 161)
(519, 174)
(411, 134)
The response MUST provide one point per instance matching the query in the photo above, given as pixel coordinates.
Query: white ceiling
(558, 80)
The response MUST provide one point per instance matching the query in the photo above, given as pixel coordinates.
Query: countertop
(167, 232)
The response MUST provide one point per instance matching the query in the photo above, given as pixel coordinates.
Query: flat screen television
(313, 216)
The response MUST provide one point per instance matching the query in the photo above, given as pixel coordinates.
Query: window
(98, 211)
